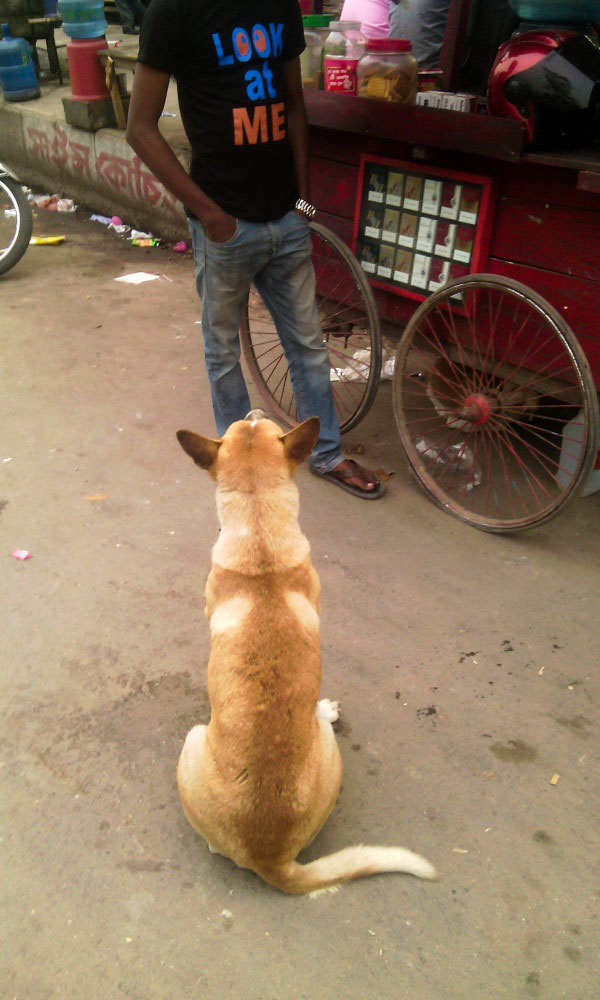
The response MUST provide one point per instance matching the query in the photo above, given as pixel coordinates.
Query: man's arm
(297, 124)
(143, 135)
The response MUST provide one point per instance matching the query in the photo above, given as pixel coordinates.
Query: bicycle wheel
(350, 325)
(495, 404)
(15, 223)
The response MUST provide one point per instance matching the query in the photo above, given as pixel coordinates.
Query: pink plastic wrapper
(180, 247)
(21, 554)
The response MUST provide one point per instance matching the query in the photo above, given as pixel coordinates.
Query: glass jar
(316, 29)
(388, 71)
(344, 47)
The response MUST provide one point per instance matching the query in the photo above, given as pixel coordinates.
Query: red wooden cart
(489, 291)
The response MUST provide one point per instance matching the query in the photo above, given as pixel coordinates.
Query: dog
(260, 780)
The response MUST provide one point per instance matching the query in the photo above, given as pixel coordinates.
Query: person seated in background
(372, 14)
(423, 22)
(491, 22)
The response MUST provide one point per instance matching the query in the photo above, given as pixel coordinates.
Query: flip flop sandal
(341, 479)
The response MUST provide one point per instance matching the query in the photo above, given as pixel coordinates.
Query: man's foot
(353, 478)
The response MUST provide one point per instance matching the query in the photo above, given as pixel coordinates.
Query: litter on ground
(46, 241)
(137, 277)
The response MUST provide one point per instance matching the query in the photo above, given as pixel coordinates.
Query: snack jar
(344, 47)
(316, 29)
(388, 71)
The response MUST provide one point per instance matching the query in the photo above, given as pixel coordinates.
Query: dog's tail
(353, 862)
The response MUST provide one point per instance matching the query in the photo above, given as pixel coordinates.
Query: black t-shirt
(227, 58)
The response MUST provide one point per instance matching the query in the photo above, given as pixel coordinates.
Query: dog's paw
(328, 710)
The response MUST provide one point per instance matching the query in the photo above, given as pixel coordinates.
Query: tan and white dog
(261, 779)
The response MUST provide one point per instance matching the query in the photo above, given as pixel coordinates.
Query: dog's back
(261, 779)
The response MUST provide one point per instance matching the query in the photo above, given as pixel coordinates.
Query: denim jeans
(276, 257)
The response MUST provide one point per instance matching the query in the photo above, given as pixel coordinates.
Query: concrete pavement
(466, 666)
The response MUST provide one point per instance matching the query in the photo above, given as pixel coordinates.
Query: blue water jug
(82, 18)
(17, 72)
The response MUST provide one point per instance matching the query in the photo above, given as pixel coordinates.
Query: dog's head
(253, 452)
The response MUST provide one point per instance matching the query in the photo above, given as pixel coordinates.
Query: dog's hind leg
(329, 769)
(189, 775)
(193, 789)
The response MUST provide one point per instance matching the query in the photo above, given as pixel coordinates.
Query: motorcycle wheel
(16, 222)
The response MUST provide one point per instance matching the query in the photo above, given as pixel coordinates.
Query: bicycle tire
(485, 435)
(18, 235)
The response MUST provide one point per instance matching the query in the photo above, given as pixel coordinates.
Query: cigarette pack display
(395, 188)
(391, 225)
(416, 227)
(413, 189)
(386, 261)
(426, 234)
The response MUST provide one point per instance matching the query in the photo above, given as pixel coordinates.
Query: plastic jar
(316, 29)
(344, 47)
(388, 71)
(82, 18)
(86, 72)
(17, 72)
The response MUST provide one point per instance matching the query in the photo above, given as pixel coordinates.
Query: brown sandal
(341, 476)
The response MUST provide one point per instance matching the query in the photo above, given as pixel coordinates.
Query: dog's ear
(299, 442)
(203, 450)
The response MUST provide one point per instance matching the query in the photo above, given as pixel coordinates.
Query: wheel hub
(477, 409)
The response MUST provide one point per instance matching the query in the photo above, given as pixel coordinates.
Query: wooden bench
(44, 28)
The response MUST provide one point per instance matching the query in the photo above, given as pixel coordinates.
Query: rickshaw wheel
(495, 404)
(350, 325)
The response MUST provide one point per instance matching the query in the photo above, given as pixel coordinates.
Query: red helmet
(548, 79)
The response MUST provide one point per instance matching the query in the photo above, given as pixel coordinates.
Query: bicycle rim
(495, 404)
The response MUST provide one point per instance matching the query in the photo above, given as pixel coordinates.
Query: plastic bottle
(455, 462)
(316, 29)
(344, 47)
(17, 72)
(82, 18)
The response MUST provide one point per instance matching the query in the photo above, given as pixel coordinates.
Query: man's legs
(224, 273)
(127, 16)
(287, 286)
(276, 256)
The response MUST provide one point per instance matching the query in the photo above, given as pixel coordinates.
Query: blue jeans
(276, 257)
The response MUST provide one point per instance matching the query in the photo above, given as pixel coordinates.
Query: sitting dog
(259, 781)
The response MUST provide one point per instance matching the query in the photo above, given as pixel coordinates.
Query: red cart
(478, 263)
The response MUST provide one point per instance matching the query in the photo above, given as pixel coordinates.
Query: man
(240, 94)
(424, 23)
(131, 13)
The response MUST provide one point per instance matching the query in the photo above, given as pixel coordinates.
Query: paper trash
(137, 277)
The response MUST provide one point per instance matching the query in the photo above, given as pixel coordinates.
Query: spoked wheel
(495, 404)
(15, 223)
(350, 325)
